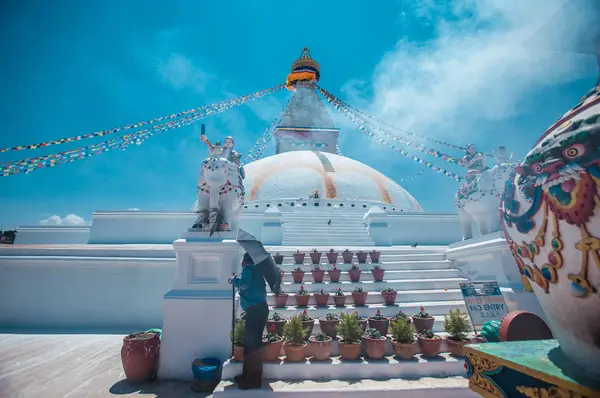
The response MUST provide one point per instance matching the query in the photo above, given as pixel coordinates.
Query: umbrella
(262, 259)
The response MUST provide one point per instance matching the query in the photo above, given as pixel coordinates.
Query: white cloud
(133, 209)
(181, 73)
(71, 219)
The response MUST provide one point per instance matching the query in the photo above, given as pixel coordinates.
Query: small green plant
(388, 290)
(334, 268)
(281, 292)
(457, 325)
(321, 292)
(347, 251)
(330, 316)
(358, 289)
(376, 266)
(304, 316)
(277, 254)
(401, 315)
(298, 251)
(302, 291)
(354, 267)
(372, 333)
(427, 334)
(272, 336)
(357, 316)
(378, 316)
(339, 292)
(349, 329)
(321, 337)
(238, 333)
(360, 252)
(277, 317)
(402, 331)
(331, 251)
(315, 251)
(298, 269)
(316, 267)
(421, 313)
(293, 331)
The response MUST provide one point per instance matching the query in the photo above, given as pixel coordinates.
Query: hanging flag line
(208, 109)
(358, 111)
(138, 137)
(362, 126)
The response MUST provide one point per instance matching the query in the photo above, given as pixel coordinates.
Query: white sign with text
(484, 301)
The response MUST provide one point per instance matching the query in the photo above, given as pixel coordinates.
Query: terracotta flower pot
(374, 256)
(298, 276)
(329, 327)
(308, 326)
(375, 347)
(350, 352)
(378, 274)
(281, 300)
(362, 257)
(339, 301)
(332, 258)
(278, 326)
(272, 351)
(139, 355)
(405, 350)
(318, 276)
(320, 350)
(278, 259)
(389, 298)
(238, 353)
(321, 299)
(302, 300)
(456, 346)
(347, 256)
(294, 352)
(423, 323)
(380, 324)
(354, 275)
(430, 347)
(299, 258)
(334, 275)
(359, 298)
(316, 258)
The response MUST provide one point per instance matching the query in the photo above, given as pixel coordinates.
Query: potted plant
(403, 338)
(302, 297)
(237, 339)
(307, 323)
(422, 320)
(277, 321)
(374, 254)
(320, 346)
(332, 256)
(379, 322)
(318, 273)
(362, 257)
(378, 273)
(403, 316)
(328, 324)
(278, 258)
(298, 275)
(374, 343)
(295, 339)
(389, 295)
(272, 343)
(138, 355)
(347, 256)
(281, 299)
(359, 296)
(350, 332)
(334, 274)
(339, 298)
(299, 257)
(457, 325)
(315, 256)
(354, 273)
(430, 343)
(321, 298)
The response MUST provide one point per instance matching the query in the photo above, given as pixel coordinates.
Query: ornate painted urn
(551, 217)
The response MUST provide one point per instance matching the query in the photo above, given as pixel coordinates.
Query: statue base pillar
(197, 310)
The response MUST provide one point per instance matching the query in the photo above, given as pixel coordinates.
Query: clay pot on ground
(298, 276)
(378, 274)
(430, 347)
(278, 258)
(139, 355)
(320, 350)
(321, 299)
(347, 257)
(456, 346)
(332, 258)
(389, 298)
(302, 300)
(318, 275)
(405, 350)
(350, 352)
(272, 351)
(359, 298)
(308, 326)
(334, 275)
(354, 275)
(375, 347)
(329, 327)
(380, 324)
(299, 258)
(294, 352)
(316, 258)
(362, 257)
(238, 353)
(278, 325)
(281, 300)
(339, 301)
(374, 256)
(423, 323)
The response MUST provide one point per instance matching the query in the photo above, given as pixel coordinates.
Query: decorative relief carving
(552, 392)
(205, 268)
(479, 380)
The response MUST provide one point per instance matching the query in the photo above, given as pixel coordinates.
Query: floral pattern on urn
(551, 218)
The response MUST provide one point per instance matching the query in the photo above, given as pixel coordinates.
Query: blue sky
(456, 71)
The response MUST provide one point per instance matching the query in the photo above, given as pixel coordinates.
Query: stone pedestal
(197, 310)
(272, 227)
(377, 224)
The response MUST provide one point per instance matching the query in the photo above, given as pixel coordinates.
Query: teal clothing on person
(251, 286)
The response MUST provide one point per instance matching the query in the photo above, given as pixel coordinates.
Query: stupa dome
(297, 174)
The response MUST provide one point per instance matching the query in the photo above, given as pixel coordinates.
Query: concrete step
(369, 285)
(324, 229)
(363, 243)
(423, 387)
(385, 250)
(366, 274)
(412, 298)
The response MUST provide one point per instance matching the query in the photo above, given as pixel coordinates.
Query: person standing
(253, 299)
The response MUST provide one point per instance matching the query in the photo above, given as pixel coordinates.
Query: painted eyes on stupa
(574, 151)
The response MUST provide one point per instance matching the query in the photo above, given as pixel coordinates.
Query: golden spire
(305, 61)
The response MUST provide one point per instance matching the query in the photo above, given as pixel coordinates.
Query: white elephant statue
(479, 200)
(220, 195)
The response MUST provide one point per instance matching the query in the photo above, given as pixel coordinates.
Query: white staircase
(301, 228)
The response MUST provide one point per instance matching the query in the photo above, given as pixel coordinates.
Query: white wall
(52, 234)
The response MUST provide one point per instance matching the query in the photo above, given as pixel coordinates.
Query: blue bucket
(207, 369)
